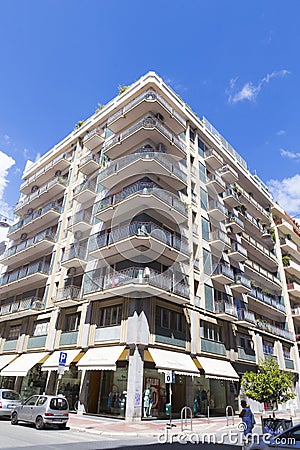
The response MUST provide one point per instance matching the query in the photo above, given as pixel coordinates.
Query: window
(268, 347)
(201, 147)
(41, 328)
(207, 262)
(14, 332)
(210, 331)
(59, 404)
(205, 228)
(209, 299)
(192, 135)
(203, 199)
(245, 342)
(202, 171)
(31, 400)
(72, 322)
(110, 316)
(286, 352)
(173, 320)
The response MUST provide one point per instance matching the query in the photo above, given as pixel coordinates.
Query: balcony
(284, 226)
(67, 296)
(35, 273)
(217, 211)
(54, 189)
(213, 159)
(228, 174)
(81, 221)
(222, 274)
(139, 106)
(231, 198)
(235, 223)
(219, 241)
(268, 299)
(246, 354)
(225, 310)
(292, 268)
(269, 328)
(288, 246)
(246, 318)
(271, 281)
(94, 138)
(165, 166)
(57, 165)
(147, 128)
(86, 192)
(20, 308)
(215, 183)
(39, 245)
(138, 196)
(136, 238)
(237, 252)
(265, 253)
(241, 284)
(39, 219)
(294, 289)
(89, 164)
(75, 257)
(135, 281)
(296, 312)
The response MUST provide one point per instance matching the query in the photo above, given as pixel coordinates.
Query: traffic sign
(61, 370)
(168, 377)
(62, 358)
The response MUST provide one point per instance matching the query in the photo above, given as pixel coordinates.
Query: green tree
(269, 384)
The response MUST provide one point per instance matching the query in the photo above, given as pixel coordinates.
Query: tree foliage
(269, 384)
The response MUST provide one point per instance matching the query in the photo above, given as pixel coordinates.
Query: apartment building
(143, 246)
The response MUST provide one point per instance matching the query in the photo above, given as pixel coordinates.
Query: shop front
(217, 387)
(5, 381)
(24, 374)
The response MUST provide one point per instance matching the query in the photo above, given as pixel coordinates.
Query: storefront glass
(209, 392)
(7, 382)
(34, 382)
(69, 385)
(154, 393)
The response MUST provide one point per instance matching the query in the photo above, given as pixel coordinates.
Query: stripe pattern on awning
(181, 363)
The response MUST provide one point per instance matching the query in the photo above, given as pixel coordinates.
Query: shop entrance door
(178, 397)
(95, 377)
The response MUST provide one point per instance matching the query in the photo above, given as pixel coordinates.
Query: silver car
(288, 439)
(8, 401)
(42, 410)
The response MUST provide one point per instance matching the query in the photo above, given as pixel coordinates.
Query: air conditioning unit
(71, 271)
(37, 305)
(23, 236)
(58, 173)
(34, 188)
(159, 117)
(78, 235)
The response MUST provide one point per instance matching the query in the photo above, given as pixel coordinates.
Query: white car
(9, 399)
(42, 410)
(288, 439)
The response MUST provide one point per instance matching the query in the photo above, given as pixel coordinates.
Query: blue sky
(235, 62)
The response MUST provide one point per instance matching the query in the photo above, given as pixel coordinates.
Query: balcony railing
(68, 292)
(167, 163)
(134, 275)
(20, 305)
(38, 213)
(25, 271)
(266, 326)
(221, 269)
(259, 246)
(39, 192)
(81, 216)
(89, 157)
(247, 316)
(214, 204)
(231, 192)
(263, 271)
(149, 95)
(241, 279)
(79, 252)
(140, 229)
(235, 219)
(253, 201)
(217, 178)
(87, 185)
(150, 121)
(267, 298)
(236, 247)
(44, 235)
(220, 235)
(225, 307)
(144, 188)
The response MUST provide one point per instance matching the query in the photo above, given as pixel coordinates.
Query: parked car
(42, 410)
(9, 399)
(288, 439)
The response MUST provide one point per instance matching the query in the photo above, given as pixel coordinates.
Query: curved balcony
(136, 197)
(213, 159)
(231, 198)
(75, 257)
(86, 192)
(294, 289)
(46, 173)
(89, 164)
(168, 169)
(136, 281)
(235, 223)
(21, 308)
(148, 127)
(140, 106)
(53, 189)
(68, 295)
(38, 245)
(219, 241)
(215, 183)
(154, 240)
(241, 284)
(39, 219)
(94, 138)
(222, 274)
(228, 174)
(217, 211)
(81, 221)
(35, 273)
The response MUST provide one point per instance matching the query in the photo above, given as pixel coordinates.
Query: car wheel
(39, 423)
(14, 418)
(62, 426)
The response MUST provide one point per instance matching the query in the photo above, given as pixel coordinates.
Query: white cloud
(6, 163)
(288, 154)
(250, 91)
(280, 132)
(287, 193)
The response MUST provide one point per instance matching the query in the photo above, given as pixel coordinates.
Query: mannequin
(147, 402)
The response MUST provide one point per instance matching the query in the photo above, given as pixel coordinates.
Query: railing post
(184, 418)
(229, 408)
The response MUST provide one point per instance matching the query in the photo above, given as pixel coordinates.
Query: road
(26, 437)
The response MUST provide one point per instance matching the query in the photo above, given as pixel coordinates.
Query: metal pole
(57, 383)
(170, 395)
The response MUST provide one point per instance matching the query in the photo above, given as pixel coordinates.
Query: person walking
(248, 420)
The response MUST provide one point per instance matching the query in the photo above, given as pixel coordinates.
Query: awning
(20, 366)
(218, 368)
(181, 363)
(6, 359)
(101, 358)
(52, 362)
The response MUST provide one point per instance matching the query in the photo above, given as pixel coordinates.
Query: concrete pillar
(135, 384)
(50, 342)
(82, 393)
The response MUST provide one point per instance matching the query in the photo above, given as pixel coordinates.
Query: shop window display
(69, 386)
(34, 383)
(113, 392)
(154, 394)
(209, 393)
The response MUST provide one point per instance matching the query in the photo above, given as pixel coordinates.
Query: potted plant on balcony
(286, 260)
(270, 386)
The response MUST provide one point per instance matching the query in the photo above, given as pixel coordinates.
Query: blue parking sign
(62, 358)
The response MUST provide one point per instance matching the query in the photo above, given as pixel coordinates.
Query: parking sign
(62, 358)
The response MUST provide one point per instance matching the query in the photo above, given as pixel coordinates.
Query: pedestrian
(248, 419)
